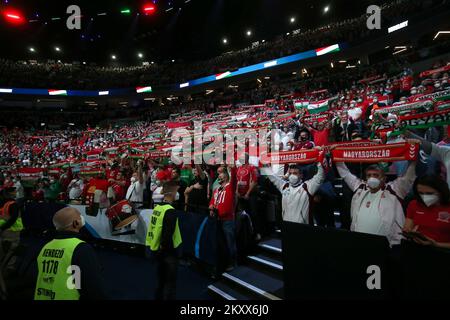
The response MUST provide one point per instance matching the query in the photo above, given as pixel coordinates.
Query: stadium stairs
(259, 278)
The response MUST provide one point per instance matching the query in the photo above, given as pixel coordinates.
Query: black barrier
(199, 234)
(324, 263)
(424, 272)
(321, 263)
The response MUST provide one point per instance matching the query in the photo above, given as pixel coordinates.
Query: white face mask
(430, 199)
(294, 180)
(177, 197)
(133, 179)
(373, 183)
(413, 92)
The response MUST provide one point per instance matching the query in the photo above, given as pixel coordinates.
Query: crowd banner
(175, 125)
(315, 117)
(90, 171)
(407, 107)
(30, 176)
(298, 156)
(373, 154)
(417, 121)
(357, 143)
(322, 91)
(369, 79)
(155, 154)
(436, 96)
(442, 105)
(428, 73)
(284, 117)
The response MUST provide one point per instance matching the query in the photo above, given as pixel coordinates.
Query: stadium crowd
(103, 166)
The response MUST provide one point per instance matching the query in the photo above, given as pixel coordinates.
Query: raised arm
(402, 185)
(276, 180)
(315, 182)
(351, 180)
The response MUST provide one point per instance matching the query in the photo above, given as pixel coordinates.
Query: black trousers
(166, 271)
(251, 207)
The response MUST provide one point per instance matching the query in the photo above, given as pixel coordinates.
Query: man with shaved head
(68, 268)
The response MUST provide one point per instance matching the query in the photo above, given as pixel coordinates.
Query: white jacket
(295, 202)
(390, 208)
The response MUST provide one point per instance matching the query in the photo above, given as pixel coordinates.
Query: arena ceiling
(182, 30)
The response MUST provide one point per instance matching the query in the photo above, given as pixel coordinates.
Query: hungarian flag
(143, 89)
(318, 107)
(326, 50)
(298, 104)
(223, 75)
(57, 92)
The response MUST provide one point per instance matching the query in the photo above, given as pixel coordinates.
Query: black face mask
(303, 139)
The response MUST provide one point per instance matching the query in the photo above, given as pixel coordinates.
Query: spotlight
(114, 57)
(249, 33)
(292, 20)
(31, 49)
(13, 16)
(225, 41)
(149, 8)
(57, 49)
(140, 55)
(326, 9)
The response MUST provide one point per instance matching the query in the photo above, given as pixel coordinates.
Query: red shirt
(119, 190)
(321, 137)
(223, 199)
(245, 175)
(100, 184)
(303, 145)
(433, 222)
(406, 83)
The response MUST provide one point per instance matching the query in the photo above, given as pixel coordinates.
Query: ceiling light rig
(13, 16)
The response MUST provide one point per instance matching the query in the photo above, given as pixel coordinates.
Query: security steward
(10, 224)
(163, 239)
(68, 268)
